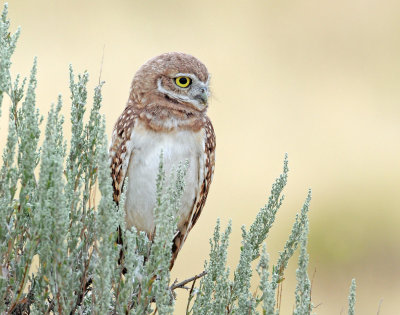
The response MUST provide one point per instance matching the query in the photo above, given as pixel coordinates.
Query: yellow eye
(183, 81)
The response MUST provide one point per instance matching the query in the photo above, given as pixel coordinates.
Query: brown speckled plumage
(160, 113)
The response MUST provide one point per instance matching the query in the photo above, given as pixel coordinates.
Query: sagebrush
(58, 246)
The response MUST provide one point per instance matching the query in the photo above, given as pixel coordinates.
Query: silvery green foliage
(303, 287)
(106, 218)
(8, 43)
(268, 292)
(52, 214)
(219, 295)
(147, 263)
(18, 185)
(237, 297)
(251, 242)
(352, 297)
(168, 204)
(55, 222)
(214, 292)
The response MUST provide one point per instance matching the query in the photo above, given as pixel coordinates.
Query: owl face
(172, 80)
(184, 88)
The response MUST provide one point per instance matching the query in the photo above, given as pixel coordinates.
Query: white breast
(177, 146)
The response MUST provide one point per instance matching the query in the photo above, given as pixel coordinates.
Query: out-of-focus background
(317, 79)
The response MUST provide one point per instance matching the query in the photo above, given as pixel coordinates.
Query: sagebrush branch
(181, 285)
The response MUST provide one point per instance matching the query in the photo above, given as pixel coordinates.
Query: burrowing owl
(166, 111)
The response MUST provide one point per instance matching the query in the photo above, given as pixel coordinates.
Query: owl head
(173, 80)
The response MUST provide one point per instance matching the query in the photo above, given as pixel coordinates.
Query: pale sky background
(317, 79)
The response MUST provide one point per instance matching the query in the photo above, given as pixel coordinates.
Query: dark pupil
(183, 81)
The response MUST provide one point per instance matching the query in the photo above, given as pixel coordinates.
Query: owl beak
(202, 97)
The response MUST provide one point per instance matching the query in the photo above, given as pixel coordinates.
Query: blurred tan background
(317, 79)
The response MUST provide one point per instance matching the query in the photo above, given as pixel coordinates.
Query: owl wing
(208, 171)
(121, 149)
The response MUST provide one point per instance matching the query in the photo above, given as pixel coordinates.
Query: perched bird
(166, 111)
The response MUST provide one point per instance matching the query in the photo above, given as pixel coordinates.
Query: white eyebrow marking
(190, 75)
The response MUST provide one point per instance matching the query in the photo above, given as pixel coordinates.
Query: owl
(166, 111)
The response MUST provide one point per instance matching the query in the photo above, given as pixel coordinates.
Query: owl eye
(183, 81)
